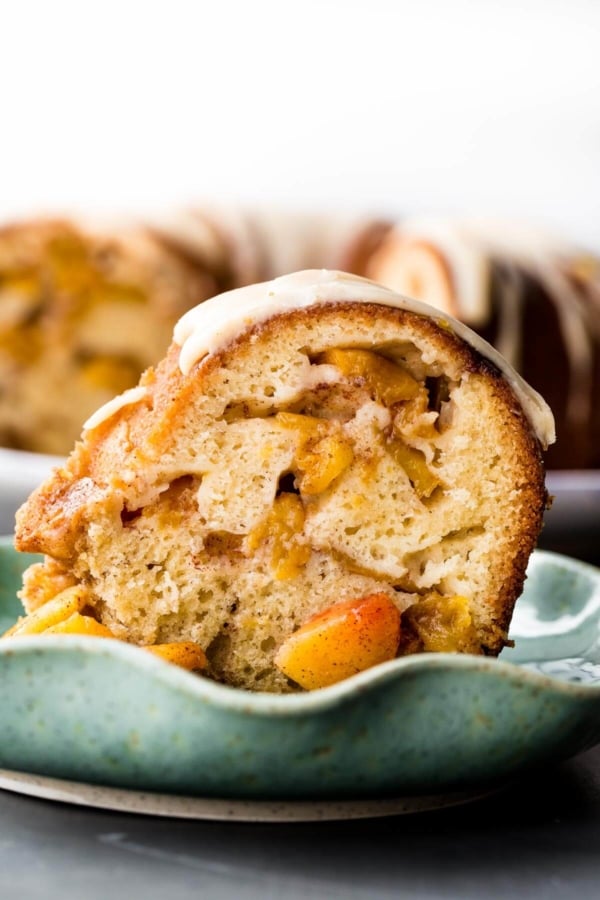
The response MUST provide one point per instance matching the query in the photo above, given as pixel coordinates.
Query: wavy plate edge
(265, 704)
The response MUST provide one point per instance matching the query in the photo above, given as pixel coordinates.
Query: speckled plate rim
(291, 705)
(124, 800)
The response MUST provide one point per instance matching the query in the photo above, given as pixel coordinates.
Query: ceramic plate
(231, 810)
(103, 712)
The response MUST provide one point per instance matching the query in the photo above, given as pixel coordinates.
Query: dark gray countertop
(538, 838)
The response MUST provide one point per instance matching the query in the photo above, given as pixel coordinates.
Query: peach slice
(283, 527)
(389, 382)
(71, 600)
(413, 463)
(321, 465)
(81, 625)
(340, 641)
(323, 452)
(185, 654)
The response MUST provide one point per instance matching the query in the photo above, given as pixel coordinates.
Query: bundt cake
(320, 475)
(82, 313)
(534, 297)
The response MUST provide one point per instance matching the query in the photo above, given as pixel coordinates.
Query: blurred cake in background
(82, 313)
(534, 297)
(85, 309)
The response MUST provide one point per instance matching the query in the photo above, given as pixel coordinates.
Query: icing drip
(578, 342)
(509, 341)
(127, 398)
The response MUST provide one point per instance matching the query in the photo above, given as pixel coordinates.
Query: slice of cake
(321, 475)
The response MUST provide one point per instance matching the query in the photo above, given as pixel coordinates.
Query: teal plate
(104, 712)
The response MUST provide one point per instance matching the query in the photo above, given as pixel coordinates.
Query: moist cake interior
(325, 455)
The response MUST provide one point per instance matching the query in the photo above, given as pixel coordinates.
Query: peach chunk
(413, 463)
(340, 641)
(389, 382)
(438, 624)
(322, 464)
(71, 600)
(323, 452)
(185, 654)
(80, 625)
(283, 527)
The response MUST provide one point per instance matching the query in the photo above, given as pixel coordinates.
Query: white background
(398, 107)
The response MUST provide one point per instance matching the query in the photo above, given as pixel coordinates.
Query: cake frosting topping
(212, 325)
(127, 398)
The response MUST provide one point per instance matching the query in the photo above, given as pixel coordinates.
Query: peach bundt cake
(319, 476)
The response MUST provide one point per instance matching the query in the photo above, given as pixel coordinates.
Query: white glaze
(127, 398)
(215, 323)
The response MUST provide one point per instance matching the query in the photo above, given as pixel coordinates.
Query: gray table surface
(538, 838)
